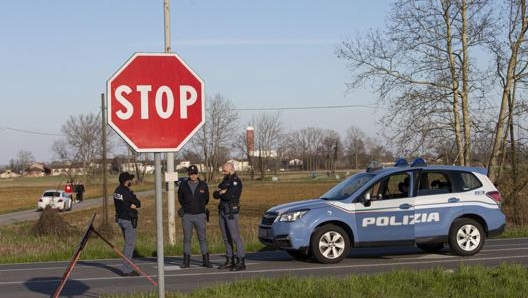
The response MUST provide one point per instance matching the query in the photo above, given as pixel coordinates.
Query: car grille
(269, 218)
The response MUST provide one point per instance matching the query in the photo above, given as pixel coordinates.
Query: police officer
(193, 195)
(229, 191)
(126, 204)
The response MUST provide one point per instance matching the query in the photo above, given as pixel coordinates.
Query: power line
(30, 131)
(306, 108)
(237, 109)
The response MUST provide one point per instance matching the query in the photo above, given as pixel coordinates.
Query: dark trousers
(197, 221)
(129, 233)
(231, 234)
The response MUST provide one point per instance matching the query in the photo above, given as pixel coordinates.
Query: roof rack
(373, 166)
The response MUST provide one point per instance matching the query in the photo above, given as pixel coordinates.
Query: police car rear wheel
(330, 244)
(466, 237)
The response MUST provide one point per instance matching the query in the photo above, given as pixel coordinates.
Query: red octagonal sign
(155, 102)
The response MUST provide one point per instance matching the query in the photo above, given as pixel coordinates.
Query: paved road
(92, 278)
(33, 214)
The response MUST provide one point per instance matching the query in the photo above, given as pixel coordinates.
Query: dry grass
(19, 243)
(22, 193)
(257, 197)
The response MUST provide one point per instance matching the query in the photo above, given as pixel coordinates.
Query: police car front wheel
(466, 237)
(330, 244)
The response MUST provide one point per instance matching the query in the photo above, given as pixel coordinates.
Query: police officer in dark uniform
(193, 195)
(126, 204)
(229, 191)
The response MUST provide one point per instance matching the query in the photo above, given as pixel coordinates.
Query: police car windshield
(346, 188)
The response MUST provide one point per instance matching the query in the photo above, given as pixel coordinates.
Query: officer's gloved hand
(231, 216)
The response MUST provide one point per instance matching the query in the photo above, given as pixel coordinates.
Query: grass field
(20, 244)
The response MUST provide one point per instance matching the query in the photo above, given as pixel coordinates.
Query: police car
(416, 204)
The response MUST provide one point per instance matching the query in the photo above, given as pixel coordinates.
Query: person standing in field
(193, 196)
(228, 192)
(68, 189)
(79, 191)
(126, 204)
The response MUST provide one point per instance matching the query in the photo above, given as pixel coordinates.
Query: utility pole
(157, 162)
(170, 177)
(103, 140)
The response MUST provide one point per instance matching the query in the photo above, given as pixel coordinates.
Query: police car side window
(378, 190)
(432, 183)
(395, 186)
(469, 181)
(375, 192)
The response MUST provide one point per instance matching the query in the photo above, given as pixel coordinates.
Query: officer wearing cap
(229, 191)
(126, 204)
(193, 195)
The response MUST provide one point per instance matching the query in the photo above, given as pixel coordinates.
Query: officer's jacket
(233, 185)
(193, 204)
(123, 198)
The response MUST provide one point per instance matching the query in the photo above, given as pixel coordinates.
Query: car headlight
(292, 215)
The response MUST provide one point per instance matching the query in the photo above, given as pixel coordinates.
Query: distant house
(8, 174)
(183, 165)
(131, 167)
(295, 164)
(37, 170)
(240, 166)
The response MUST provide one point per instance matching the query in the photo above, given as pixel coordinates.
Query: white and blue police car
(417, 204)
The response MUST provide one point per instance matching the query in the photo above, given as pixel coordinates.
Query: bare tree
(421, 68)
(215, 138)
(354, 145)
(329, 149)
(512, 61)
(81, 143)
(307, 144)
(511, 54)
(23, 161)
(268, 129)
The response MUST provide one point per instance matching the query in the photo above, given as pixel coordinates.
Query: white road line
(322, 267)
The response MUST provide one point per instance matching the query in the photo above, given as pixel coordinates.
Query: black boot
(206, 262)
(186, 261)
(229, 263)
(240, 264)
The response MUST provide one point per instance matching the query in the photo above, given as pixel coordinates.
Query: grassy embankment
(506, 281)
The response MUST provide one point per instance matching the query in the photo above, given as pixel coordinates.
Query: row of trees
(222, 137)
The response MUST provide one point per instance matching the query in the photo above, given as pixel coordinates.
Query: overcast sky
(57, 55)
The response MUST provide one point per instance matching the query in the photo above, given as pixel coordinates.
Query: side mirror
(367, 201)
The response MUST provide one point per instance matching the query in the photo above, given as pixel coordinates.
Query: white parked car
(56, 199)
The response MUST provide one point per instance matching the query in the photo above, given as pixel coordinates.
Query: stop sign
(155, 102)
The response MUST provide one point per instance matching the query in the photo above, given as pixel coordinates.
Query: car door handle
(453, 200)
(406, 206)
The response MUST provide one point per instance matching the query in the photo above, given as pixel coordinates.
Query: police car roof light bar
(418, 162)
(401, 162)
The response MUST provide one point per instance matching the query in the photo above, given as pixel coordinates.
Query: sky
(57, 55)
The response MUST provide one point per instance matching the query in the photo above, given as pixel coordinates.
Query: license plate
(264, 233)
